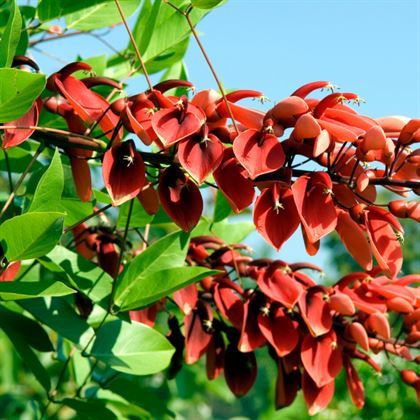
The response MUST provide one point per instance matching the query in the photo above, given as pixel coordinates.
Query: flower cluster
(312, 331)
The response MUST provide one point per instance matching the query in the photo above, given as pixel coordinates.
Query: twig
(95, 213)
(21, 179)
(206, 57)
(133, 41)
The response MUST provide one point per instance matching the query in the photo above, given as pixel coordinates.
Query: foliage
(121, 255)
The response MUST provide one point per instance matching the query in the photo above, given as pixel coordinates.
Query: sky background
(371, 48)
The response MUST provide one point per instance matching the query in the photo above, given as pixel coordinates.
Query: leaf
(18, 91)
(228, 231)
(50, 187)
(167, 252)
(80, 273)
(148, 289)
(19, 158)
(92, 409)
(222, 208)
(139, 216)
(100, 15)
(74, 209)
(132, 348)
(16, 290)
(59, 315)
(207, 4)
(11, 36)
(29, 330)
(30, 235)
(27, 355)
(165, 27)
(233, 232)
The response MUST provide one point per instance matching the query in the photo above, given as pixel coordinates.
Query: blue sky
(368, 47)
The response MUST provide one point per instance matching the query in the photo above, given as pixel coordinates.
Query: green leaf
(80, 273)
(30, 235)
(90, 410)
(50, 187)
(18, 91)
(139, 216)
(19, 158)
(168, 252)
(226, 230)
(207, 4)
(100, 15)
(29, 330)
(164, 27)
(222, 208)
(74, 209)
(232, 233)
(148, 289)
(60, 316)
(27, 355)
(11, 36)
(132, 348)
(17, 290)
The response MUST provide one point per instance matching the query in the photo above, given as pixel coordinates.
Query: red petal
(172, 125)
(229, 304)
(321, 358)
(14, 136)
(200, 157)
(315, 205)
(384, 243)
(275, 215)
(286, 386)
(180, 198)
(123, 171)
(251, 336)
(82, 179)
(315, 312)
(197, 335)
(11, 271)
(259, 153)
(186, 298)
(316, 398)
(280, 331)
(88, 105)
(354, 384)
(280, 287)
(240, 370)
(215, 356)
(235, 186)
(354, 239)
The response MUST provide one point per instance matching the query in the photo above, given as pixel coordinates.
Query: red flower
(231, 178)
(259, 152)
(321, 358)
(123, 171)
(200, 154)
(275, 215)
(180, 198)
(315, 205)
(177, 122)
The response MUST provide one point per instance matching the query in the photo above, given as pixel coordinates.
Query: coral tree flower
(123, 172)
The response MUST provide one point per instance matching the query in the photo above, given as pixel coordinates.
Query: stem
(95, 213)
(133, 41)
(53, 393)
(122, 250)
(209, 63)
(9, 173)
(21, 179)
